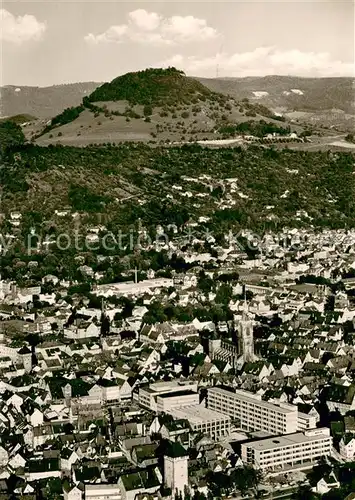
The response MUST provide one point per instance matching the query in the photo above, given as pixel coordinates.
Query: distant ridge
(320, 94)
(42, 102)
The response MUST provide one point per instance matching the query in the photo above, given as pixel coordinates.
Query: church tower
(25, 355)
(245, 336)
(67, 393)
(176, 468)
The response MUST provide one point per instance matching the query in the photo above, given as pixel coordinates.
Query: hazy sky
(48, 42)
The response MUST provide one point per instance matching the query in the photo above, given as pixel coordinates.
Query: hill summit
(156, 105)
(152, 86)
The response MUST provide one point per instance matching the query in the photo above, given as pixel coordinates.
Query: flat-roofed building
(102, 492)
(251, 413)
(203, 420)
(148, 396)
(307, 421)
(132, 288)
(289, 451)
(176, 399)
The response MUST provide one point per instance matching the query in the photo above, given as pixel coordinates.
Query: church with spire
(245, 335)
(241, 349)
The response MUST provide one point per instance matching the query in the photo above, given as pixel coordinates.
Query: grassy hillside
(159, 105)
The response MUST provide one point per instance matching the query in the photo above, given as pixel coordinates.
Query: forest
(257, 128)
(123, 188)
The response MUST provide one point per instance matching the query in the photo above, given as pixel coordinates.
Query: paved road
(274, 495)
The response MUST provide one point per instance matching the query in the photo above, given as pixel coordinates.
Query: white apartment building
(251, 413)
(148, 396)
(203, 420)
(287, 451)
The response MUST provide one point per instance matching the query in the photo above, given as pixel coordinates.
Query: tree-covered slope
(64, 193)
(254, 188)
(153, 86)
(11, 136)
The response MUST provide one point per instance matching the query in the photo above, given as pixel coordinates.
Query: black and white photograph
(177, 250)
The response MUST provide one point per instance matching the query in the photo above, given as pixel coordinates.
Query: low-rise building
(203, 420)
(347, 446)
(148, 396)
(306, 421)
(102, 492)
(131, 485)
(166, 402)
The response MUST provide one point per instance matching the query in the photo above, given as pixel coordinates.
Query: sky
(61, 41)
